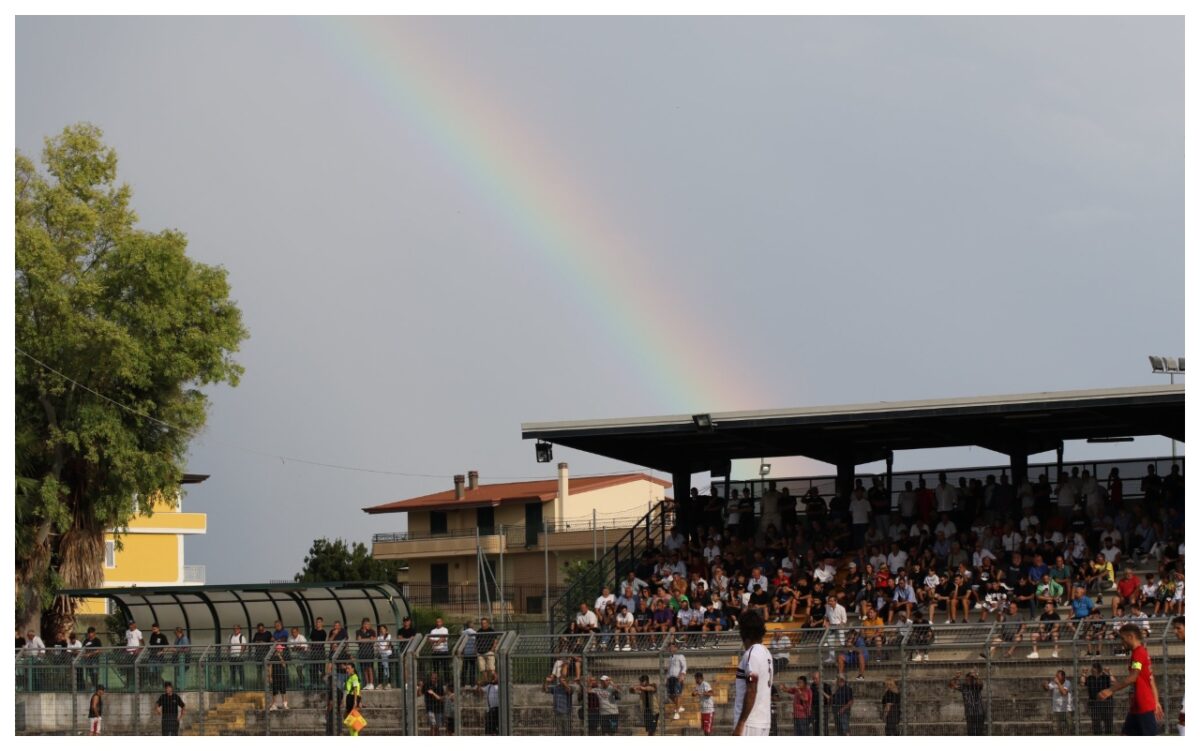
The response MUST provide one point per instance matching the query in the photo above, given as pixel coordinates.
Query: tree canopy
(341, 561)
(116, 332)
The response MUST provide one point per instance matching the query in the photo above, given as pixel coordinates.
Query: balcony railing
(578, 524)
(193, 574)
(466, 598)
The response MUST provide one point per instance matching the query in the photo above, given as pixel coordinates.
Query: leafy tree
(339, 561)
(126, 314)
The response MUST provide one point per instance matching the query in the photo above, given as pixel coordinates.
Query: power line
(280, 457)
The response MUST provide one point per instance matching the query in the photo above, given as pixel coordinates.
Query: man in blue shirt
(1081, 605)
(1038, 569)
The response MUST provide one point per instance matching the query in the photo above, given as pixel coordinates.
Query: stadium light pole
(1171, 366)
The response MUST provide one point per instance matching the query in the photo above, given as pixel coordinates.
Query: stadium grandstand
(983, 600)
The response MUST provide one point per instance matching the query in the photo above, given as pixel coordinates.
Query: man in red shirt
(1145, 710)
(1128, 588)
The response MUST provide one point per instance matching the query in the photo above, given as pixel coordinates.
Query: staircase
(230, 716)
(620, 558)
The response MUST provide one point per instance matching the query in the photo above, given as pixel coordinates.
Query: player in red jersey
(1145, 710)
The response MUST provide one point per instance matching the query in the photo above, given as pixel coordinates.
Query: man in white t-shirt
(897, 559)
(605, 599)
(755, 675)
(835, 618)
(704, 693)
(586, 619)
(439, 638)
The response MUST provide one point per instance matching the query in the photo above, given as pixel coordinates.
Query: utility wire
(280, 457)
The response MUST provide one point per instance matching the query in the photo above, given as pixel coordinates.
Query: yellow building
(497, 529)
(151, 549)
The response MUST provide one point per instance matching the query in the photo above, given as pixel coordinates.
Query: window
(485, 519)
(437, 523)
(110, 554)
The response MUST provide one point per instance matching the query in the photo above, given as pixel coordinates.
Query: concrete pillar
(1018, 462)
(1059, 452)
(845, 477)
(890, 459)
(681, 489)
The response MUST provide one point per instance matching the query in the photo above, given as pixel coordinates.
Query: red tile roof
(497, 494)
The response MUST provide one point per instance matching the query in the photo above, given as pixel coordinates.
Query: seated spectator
(586, 620)
(1049, 625)
(1128, 590)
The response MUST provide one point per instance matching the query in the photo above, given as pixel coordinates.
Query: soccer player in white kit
(755, 674)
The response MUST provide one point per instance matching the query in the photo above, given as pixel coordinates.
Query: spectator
(841, 704)
(279, 675)
(1011, 631)
(316, 651)
(170, 707)
(676, 673)
(1048, 630)
(973, 707)
(435, 703)
(96, 712)
(559, 687)
(1062, 703)
(261, 643)
(439, 645)
(1100, 710)
(485, 646)
(366, 636)
(92, 647)
(470, 663)
(648, 692)
(237, 654)
(182, 653)
(586, 621)
(605, 599)
(704, 696)
(890, 708)
(1128, 590)
(854, 656)
(384, 648)
(802, 704)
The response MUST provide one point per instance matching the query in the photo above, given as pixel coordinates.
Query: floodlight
(1156, 364)
(544, 452)
(702, 422)
(764, 469)
(1172, 364)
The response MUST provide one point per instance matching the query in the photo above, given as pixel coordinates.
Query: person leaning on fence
(170, 707)
(559, 687)
(385, 645)
(490, 689)
(1099, 710)
(439, 644)
(316, 651)
(648, 692)
(91, 657)
(1145, 709)
(607, 695)
(278, 675)
(841, 704)
(434, 693)
(261, 644)
(96, 711)
(365, 636)
(974, 710)
(1062, 703)
(470, 653)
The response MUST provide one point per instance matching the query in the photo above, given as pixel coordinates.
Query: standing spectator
(470, 654)
(365, 636)
(485, 646)
(92, 647)
(704, 695)
(237, 649)
(435, 703)
(755, 676)
(74, 651)
(822, 694)
(1062, 703)
(170, 707)
(607, 696)
(278, 675)
(676, 672)
(890, 708)
(133, 645)
(1100, 710)
(558, 686)
(439, 643)
(317, 651)
(1145, 709)
(96, 711)
(491, 691)
(260, 648)
(841, 704)
(802, 705)
(384, 646)
(648, 691)
(973, 707)
(182, 650)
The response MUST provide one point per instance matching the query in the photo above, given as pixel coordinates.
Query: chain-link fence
(911, 679)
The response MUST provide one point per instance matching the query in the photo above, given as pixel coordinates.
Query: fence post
(987, 684)
(904, 713)
(75, 693)
(203, 688)
(266, 674)
(1075, 709)
(137, 691)
(456, 680)
(1166, 693)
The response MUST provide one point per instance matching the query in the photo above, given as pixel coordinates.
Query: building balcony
(570, 535)
(193, 574)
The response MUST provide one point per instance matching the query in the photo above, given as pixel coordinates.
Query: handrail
(607, 568)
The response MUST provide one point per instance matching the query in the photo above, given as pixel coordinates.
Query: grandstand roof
(1031, 423)
(496, 494)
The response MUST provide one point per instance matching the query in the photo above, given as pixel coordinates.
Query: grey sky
(844, 210)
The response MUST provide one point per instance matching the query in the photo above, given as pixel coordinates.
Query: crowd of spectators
(1033, 556)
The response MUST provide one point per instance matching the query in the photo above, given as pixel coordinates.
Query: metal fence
(938, 680)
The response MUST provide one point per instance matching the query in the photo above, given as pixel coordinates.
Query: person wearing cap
(96, 711)
(607, 695)
(279, 674)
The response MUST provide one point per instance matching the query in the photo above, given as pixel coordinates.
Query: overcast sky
(813, 211)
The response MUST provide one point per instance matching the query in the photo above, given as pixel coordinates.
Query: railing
(513, 531)
(195, 574)
(230, 692)
(467, 598)
(617, 559)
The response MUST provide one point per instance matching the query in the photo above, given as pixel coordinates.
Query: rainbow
(565, 227)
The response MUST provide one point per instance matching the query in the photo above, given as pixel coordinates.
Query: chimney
(473, 480)
(459, 492)
(563, 491)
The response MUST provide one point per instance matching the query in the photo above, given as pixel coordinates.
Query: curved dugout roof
(208, 612)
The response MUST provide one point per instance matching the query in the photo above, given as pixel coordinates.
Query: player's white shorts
(94, 725)
(747, 730)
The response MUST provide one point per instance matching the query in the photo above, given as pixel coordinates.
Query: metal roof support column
(845, 477)
(681, 488)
